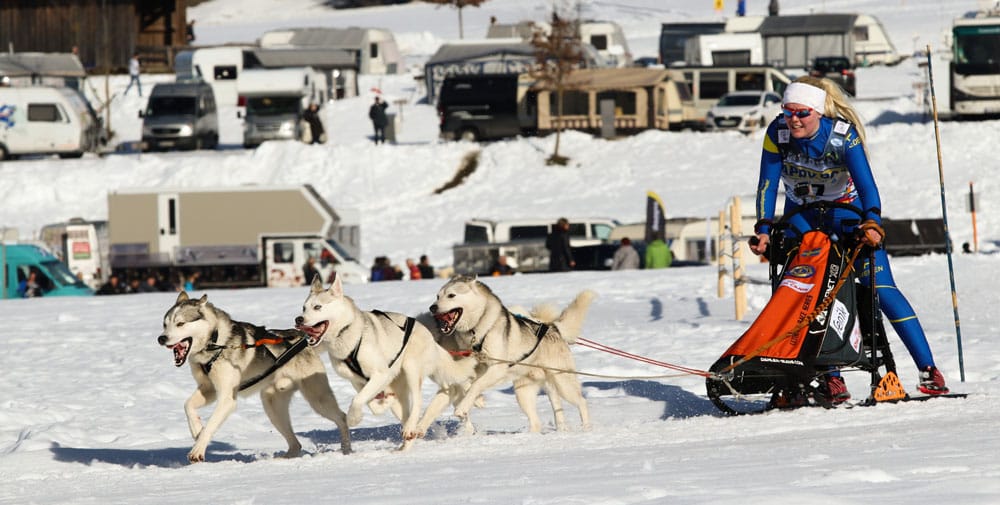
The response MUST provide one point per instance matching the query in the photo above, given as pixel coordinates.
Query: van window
(749, 81)
(224, 72)
(47, 112)
(778, 85)
(578, 230)
(529, 232)
(624, 101)
(170, 105)
(476, 234)
(373, 50)
(284, 252)
(713, 85)
(601, 231)
(600, 42)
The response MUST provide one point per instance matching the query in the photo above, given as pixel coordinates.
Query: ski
(909, 398)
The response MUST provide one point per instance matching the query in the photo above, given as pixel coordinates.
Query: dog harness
(352, 359)
(260, 346)
(539, 334)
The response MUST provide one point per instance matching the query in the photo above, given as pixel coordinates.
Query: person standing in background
(133, 72)
(379, 119)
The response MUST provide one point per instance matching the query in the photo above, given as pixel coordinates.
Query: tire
(67, 156)
(468, 135)
(4, 155)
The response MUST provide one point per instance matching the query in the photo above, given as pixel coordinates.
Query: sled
(819, 320)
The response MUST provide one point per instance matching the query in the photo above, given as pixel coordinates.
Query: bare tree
(557, 54)
(458, 4)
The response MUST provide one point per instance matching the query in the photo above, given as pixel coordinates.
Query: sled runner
(818, 321)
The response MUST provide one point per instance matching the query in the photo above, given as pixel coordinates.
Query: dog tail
(570, 322)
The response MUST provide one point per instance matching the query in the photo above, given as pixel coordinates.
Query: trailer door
(169, 223)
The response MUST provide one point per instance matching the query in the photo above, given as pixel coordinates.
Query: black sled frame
(738, 392)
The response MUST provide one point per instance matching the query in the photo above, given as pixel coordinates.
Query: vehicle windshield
(831, 65)
(733, 100)
(170, 105)
(59, 273)
(977, 50)
(273, 105)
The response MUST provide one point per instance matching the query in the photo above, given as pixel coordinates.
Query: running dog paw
(354, 415)
(196, 455)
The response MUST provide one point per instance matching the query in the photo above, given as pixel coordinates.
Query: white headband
(805, 94)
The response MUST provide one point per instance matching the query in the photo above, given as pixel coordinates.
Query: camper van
(180, 115)
(220, 67)
(275, 99)
(46, 120)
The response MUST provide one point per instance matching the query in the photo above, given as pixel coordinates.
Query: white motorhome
(376, 48)
(275, 99)
(724, 49)
(46, 120)
(219, 66)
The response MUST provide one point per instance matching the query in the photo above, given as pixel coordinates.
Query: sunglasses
(799, 113)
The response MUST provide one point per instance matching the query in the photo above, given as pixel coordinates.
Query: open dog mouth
(314, 333)
(446, 321)
(181, 350)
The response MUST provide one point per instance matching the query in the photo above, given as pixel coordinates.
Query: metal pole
(944, 215)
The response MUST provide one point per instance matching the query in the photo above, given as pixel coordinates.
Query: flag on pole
(656, 218)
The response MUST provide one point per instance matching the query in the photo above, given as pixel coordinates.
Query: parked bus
(975, 65)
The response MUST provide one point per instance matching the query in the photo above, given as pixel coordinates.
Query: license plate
(166, 143)
(728, 122)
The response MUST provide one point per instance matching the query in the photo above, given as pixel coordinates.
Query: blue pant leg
(897, 309)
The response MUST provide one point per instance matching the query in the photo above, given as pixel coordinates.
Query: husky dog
(230, 358)
(534, 354)
(379, 350)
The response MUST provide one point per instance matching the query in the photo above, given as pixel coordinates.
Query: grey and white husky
(378, 351)
(534, 354)
(231, 358)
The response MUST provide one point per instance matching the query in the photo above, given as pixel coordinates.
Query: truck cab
(21, 261)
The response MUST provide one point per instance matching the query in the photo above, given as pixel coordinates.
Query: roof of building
(808, 24)
(44, 64)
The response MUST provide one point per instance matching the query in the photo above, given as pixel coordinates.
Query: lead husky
(378, 350)
(229, 358)
(534, 354)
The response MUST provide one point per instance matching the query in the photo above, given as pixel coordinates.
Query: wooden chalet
(105, 32)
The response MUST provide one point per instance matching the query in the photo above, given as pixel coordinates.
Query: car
(838, 69)
(745, 111)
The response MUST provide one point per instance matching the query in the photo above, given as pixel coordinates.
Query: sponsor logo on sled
(801, 271)
(840, 317)
(780, 360)
(797, 286)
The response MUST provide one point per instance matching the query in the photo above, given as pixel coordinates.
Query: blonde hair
(837, 105)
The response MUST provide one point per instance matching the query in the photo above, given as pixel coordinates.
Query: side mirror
(140, 114)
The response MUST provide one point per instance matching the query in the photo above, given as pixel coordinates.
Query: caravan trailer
(220, 67)
(724, 49)
(46, 120)
(608, 39)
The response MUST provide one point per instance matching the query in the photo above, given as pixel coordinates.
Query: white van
(46, 120)
(82, 245)
(275, 99)
(709, 84)
(220, 67)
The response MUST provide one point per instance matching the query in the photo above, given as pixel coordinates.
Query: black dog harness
(352, 359)
(539, 335)
(260, 346)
